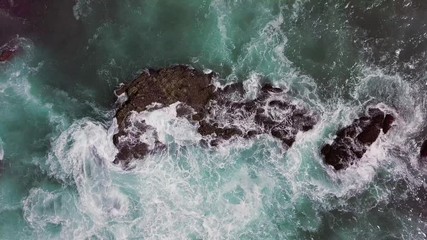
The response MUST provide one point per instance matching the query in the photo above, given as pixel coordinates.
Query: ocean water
(57, 179)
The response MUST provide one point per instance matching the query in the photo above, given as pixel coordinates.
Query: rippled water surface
(57, 179)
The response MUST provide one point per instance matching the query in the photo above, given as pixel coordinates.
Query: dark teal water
(57, 107)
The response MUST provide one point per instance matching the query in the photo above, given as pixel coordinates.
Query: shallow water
(57, 179)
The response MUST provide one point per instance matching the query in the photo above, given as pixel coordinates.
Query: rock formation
(220, 114)
(352, 141)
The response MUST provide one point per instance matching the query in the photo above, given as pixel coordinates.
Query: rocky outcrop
(219, 113)
(352, 141)
(270, 112)
(152, 90)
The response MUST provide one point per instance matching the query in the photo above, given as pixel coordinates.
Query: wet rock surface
(220, 114)
(353, 141)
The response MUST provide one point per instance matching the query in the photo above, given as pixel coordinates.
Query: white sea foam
(16, 82)
(252, 86)
(242, 189)
(81, 9)
(338, 188)
(1, 150)
(191, 192)
(164, 124)
(194, 193)
(223, 11)
(81, 157)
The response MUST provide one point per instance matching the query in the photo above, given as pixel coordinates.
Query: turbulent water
(57, 179)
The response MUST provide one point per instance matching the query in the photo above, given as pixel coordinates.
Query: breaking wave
(57, 172)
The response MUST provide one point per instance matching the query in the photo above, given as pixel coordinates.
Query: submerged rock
(352, 141)
(9, 51)
(219, 114)
(6, 55)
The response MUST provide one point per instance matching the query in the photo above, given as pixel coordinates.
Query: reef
(220, 114)
(352, 142)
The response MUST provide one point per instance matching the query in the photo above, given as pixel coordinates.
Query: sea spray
(57, 126)
(207, 187)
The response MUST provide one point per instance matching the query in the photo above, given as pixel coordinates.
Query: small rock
(352, 141)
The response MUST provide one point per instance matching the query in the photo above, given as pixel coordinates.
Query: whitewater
(57, 177)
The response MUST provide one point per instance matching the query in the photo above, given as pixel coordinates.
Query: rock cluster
(224, 113)
(219, 114)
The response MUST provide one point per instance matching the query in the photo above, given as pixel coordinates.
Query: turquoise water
(56, 126)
